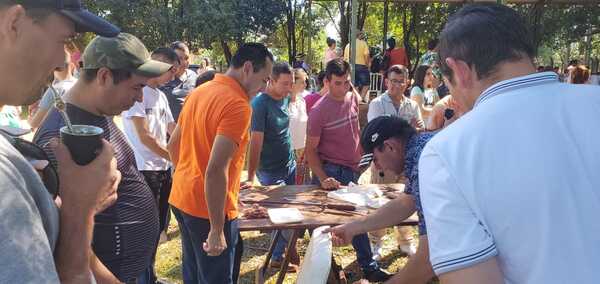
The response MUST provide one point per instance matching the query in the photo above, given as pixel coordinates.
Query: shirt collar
(517, 83)
(226, 80)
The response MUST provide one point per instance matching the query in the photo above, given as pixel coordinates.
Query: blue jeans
(197, 266)
(361, 242)
(288, 177)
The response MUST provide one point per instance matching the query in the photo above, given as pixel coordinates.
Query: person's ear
(462, 74)
(387, 83)
(11, 23)
(104, 77)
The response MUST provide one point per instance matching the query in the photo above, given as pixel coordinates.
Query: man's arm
(79, 206)
(256, 143)
(316, 165)
(389, 215)
(36, 120)
(215, 188)
(146, 138)
(486, 272)
(173, 146)
(101, 273)
(171, 127)
(418, 268)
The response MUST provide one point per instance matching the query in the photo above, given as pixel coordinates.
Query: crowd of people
(496, 162)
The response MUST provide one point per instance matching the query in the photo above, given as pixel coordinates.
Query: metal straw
(61, 107)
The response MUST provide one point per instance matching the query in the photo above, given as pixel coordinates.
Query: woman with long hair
(424, 90)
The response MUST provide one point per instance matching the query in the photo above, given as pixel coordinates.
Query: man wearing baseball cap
(392, 144)
(114, 72)
(40, 243)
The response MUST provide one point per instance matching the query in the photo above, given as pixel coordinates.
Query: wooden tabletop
(314, 216)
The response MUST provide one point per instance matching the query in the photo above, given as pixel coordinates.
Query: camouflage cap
(123, 52)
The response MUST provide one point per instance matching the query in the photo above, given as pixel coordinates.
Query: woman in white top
(298, 123)
(424, 90)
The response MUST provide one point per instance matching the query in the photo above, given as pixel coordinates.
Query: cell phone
(448, 113)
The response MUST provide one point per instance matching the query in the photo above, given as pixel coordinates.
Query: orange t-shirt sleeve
(235, 121)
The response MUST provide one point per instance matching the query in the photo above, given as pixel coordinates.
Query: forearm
(173, 148)
(315, 164)
(417, 269)
(253, 160)
(73, 251)
(101, 273)
(389, 215)
(215, 190)
(156, 148)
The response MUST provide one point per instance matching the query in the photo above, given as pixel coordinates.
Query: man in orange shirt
(208, 150)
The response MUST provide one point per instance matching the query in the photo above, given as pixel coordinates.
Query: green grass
(168, 259)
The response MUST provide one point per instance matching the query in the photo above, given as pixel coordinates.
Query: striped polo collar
(517, 83)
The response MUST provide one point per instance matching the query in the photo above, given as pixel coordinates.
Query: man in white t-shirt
(510, 191)
(147, 125)
(63, 82)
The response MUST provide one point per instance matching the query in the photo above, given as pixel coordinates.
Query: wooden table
(314, 216)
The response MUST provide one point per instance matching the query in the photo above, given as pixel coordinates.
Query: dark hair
(391, 42)
(433, 43)
(167, 54)
(38, 12)
(179, 45)
(337, 67)
(119, 75)
(256, 53)
(420, 74)
(321, 79)
(281, 68)
(404, 131)
(330, 41)
(206, 76)
(398, 69)
(580, 75)
(484, 35)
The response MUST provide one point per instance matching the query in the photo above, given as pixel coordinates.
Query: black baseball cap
(377, 131)
(84, 20)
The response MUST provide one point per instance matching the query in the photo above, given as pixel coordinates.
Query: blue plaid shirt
(414, 147)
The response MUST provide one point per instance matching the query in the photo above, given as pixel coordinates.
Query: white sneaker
(409, 248)
(377, 249)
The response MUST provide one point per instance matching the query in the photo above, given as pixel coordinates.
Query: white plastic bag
(317, 260)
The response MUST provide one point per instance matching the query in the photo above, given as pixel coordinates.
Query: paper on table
(285, 215)
(317, 259)
(360, 195)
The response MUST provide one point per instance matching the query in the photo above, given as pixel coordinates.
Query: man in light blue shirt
(510, 191)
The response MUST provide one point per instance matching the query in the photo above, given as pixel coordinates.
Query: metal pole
(385, 23)
(353, 38)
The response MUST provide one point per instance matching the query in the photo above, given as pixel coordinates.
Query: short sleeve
(412, 188)
(259, 115)
(137, 110)
(375, 110)
(457, 237)
(26, 251)
(168, 114)
(47, 100)
(416, 92)
(315, 125)
(235, 120)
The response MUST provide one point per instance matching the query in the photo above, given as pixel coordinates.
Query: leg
(239, 252)
(286, 260)
(188, 263)
(163, 201)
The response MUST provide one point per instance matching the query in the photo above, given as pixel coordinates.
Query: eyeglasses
(397, 82)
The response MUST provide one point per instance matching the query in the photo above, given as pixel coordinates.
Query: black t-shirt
(125, 234)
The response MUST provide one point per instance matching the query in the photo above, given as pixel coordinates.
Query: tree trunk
(344, 29)
(226, 52)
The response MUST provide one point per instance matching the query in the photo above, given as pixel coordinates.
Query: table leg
(262, 272)
(286, 259)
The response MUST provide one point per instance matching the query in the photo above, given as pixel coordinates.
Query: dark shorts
(363, 76)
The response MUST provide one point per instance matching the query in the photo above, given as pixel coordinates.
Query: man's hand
(246, 185)
(342, 235)
(215, 243)
(87, 189)
(330, 183)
